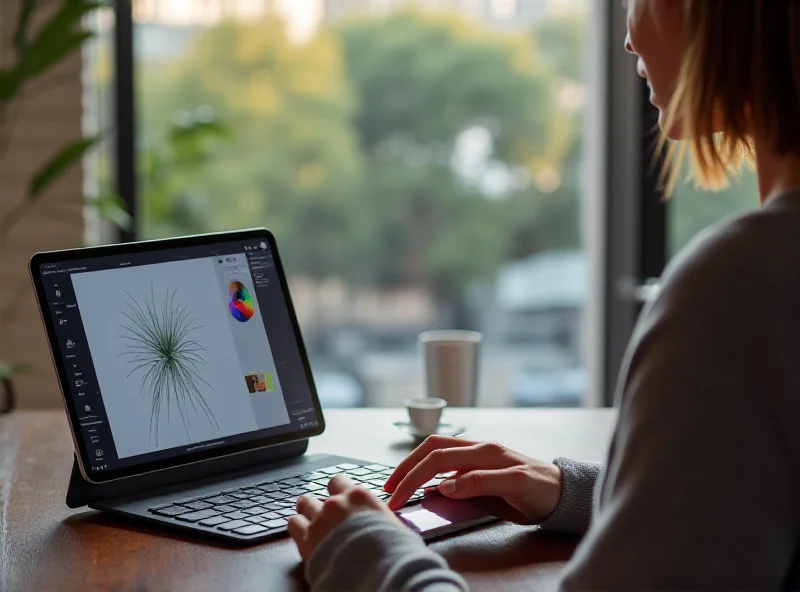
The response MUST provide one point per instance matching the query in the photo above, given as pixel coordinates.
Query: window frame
(124, 110)
(627, 239)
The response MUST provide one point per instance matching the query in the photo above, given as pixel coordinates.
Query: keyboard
(263, 508)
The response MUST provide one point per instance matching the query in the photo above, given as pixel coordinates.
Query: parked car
(338, 389)
(547, 383)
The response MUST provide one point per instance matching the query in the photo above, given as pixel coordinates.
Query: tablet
(171, 352)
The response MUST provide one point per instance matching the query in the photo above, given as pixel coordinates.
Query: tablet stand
(83, 493)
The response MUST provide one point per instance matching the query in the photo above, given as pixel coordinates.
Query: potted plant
(36, 52)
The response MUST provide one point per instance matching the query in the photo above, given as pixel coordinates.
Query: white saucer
(445, 429)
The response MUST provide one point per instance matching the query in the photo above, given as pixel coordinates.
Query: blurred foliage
(43, 37)
(38, 50)
(348, 146)
(422, 82)
(172, 166)
(344, 146)
(291, 162)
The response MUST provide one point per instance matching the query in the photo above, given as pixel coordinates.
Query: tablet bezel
(48, 320)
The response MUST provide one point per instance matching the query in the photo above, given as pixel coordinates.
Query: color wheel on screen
(240, 302)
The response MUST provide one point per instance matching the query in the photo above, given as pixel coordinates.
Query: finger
(339, 484)
(420, 452)
(510, 482)
(309, 506)
(478, 456)
(298, 530)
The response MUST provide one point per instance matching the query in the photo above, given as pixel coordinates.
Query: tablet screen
(176, 352)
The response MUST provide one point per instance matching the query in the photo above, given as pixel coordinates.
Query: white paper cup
(451, 361)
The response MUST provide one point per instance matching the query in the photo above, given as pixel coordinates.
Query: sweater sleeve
(699, 489)
(575, 507)
(371, 553)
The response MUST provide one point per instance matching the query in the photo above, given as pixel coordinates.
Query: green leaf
(60, 36)
(43, 55)
(58, 165)
(111, 207)
(63, 21)
(23, 22)
(9, 370)
(9, 83)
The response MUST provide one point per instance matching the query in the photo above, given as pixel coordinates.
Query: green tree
(421, 82)
(291, 162)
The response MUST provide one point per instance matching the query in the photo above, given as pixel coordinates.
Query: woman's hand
(315, 518)
(482, 469)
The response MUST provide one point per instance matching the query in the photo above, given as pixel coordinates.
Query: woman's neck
(777, 173)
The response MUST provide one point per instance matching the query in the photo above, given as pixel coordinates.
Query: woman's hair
(740, 72)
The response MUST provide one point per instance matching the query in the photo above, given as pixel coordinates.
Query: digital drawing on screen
(240, 302)
(162, 347)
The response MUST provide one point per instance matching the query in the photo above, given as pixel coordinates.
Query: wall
(46, 117)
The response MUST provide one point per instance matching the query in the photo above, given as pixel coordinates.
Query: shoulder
(747, 258)
(727, 301)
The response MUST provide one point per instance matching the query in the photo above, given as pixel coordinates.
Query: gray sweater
(700, 487)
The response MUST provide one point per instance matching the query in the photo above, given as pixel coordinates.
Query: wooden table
(45, 546)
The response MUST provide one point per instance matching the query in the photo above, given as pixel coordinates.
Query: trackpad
(439, 516)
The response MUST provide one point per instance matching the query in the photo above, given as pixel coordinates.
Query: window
(691, 210)
(419, 162)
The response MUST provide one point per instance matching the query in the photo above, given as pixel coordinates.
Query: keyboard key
(196, 516)
(377, 467)
(323, 482)
(252, 491)
(260, 499)
(347, 466)
(254, 519)
(313, 476)
(219, 499)
(296, 490)
(376, 482)
(360, 472)
(199, 505)
(233, 524)
(185, 501)
(239, 495)
(236, 515)
(161, 507)
(252, 529)
(254, 511)
(225, 508)
(293, 481)
(432, 483)
(273, 506)
(243, 504)
(277, 495)
(269, 487)
(270, 516)
(313, 486)
(286, 512)
(215, 521)
(274, 523)
(331, 471)
(172, 511)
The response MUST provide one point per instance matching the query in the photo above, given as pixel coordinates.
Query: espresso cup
(425, 414)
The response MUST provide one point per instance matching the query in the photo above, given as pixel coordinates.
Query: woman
(700, 488)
